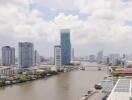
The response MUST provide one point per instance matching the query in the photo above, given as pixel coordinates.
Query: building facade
(92, 58)
(57, 56)
(36, 58)
(65, 47)
(72, 54)
(26, 54)
(8, 56)
(13, 56)
(100, 57)
(122, 90)
(114, 59)
(106, 60)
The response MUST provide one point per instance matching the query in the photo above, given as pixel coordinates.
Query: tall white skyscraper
(26, 54)
(57, 56)
(8, 56)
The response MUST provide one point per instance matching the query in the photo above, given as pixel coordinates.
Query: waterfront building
(91, 58)
(114, 59)
(8, 56)
(65, 47)
(122, 90)
(9, 70)
(72, 54)
(128, 63)
(106, 60)
(57, 56)
(100, 57)
(123, 71)
(13, 56)
(36, 58)
(26, 54)
(124, 59)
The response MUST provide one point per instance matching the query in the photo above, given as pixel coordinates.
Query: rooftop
(124, 70)
(122, 90)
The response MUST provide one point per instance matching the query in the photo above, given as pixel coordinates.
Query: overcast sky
(95, 24)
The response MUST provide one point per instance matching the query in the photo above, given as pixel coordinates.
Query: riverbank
(64, 86)
(30, 75)
(100, 90)
(24, 77)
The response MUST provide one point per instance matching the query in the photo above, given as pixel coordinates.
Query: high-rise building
(65, 47)
(91, 58)
(8, 56)
(26, 54)
(72, 54)
(114, 59)
(13, 56)
(57, 56)
(106, 60)
(36, 58)
(100, 57)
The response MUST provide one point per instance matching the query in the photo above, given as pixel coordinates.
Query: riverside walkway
(97, 96)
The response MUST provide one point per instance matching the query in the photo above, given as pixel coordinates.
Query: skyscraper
(26, 54)
(8, 56)
(57, 56)
(65, 47)
(72, 54)
(92, 58)
(114, 59)
(12, 56)
(100, 57)
(36, 58)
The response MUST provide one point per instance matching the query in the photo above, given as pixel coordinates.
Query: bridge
(93, 66)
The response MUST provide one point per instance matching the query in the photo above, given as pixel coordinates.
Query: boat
(85, 97)
(83, 68)
(89, 93)
(99, 68)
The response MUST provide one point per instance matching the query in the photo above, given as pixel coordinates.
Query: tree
(23, 78)
(98, 87)
(2, 83)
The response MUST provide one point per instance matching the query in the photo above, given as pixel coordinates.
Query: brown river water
(65, 86)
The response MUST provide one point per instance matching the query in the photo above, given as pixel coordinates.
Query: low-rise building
(9, 70)
(123, 71)
(122, 90)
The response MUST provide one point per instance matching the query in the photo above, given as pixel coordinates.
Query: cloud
(107, 22)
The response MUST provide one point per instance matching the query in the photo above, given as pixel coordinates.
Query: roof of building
(124, 70)
(122, 90)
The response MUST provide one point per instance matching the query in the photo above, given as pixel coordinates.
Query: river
(65, 86)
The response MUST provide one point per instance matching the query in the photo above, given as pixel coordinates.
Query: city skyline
(65, 49)
(75, 52)
(94, 26)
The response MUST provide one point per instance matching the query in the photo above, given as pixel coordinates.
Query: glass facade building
(26, 54)
(65, 47)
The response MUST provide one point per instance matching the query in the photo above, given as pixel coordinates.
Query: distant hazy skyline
(95, 24)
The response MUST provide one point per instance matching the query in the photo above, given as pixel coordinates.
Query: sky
(95, 24)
